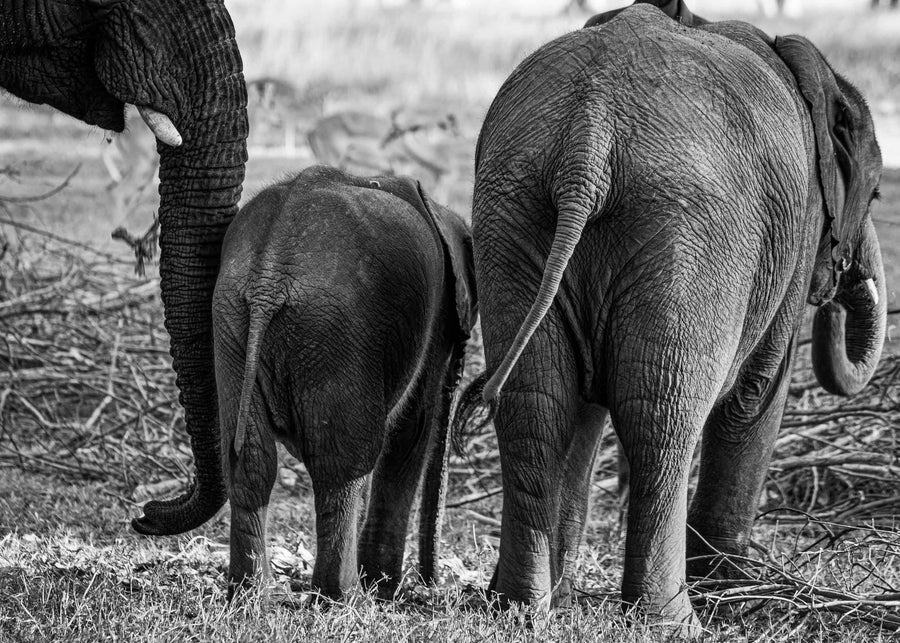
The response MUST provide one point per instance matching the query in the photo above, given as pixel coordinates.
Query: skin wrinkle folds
(687, 282)
(344, 272)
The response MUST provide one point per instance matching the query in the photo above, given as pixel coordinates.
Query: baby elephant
(340, 317)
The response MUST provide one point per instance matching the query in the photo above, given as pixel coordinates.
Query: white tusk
(873, 292)
(161, 126)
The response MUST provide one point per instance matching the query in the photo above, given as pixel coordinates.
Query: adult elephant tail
(579, 190)
(571, 220)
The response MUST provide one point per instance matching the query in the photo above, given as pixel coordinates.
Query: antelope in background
(414, 141)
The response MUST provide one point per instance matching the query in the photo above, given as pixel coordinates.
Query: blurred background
(88, 406)
(385, 86)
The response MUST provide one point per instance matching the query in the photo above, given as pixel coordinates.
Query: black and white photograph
(449, 320)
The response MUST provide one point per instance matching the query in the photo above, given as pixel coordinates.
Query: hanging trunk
(200, 184)
(848, 332)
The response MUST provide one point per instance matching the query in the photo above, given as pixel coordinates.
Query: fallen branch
(46, 195)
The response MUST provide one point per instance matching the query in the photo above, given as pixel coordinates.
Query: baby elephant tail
(471, 413)
(259, 323)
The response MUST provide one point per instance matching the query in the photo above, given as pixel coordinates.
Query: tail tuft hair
(471, 413)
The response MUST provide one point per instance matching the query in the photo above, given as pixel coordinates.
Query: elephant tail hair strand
(472, 413)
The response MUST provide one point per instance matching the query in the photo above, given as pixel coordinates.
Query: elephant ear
(455, 238)
(848, 158)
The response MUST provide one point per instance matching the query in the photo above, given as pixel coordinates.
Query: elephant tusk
(873, 291)
(161, 126)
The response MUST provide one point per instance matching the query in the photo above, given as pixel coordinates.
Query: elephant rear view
(655, 205)
(340, 318)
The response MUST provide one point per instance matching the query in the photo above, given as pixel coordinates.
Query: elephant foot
(501, 601)
(688, 628)
(242, 586)
(716, 558)
(563, 594)
(531, 601)
(676, 619)
(280, 593)
(383, 586)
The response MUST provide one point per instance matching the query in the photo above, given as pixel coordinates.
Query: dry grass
(90, 426)
(88, 417)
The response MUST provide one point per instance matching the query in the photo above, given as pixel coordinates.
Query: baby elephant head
(848, 282)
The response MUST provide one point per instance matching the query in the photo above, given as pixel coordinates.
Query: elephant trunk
(848, 332)
(200, 184)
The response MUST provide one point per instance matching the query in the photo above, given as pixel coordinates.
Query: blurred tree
(893, 4)
(577, 6)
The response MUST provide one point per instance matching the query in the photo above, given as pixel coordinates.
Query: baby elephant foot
(241, 585)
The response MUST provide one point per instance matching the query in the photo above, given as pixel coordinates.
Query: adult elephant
(178, 62)
(654, 207)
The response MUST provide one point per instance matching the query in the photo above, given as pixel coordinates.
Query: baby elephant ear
(838, 129)
(457, 240)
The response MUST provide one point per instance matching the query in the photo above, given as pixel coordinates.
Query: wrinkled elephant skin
(652, 202)
(340, 320)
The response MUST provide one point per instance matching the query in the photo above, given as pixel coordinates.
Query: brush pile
(829, 533)
(87, 393)
(86, 385)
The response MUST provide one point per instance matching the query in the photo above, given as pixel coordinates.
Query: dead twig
(46, 195)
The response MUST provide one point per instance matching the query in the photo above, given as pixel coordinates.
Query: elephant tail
(259, 323)
(470, 413)
(579, 190)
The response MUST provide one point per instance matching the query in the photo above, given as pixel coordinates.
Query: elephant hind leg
(659, 421)
(575, 498)
(339, 442)
(653, 579)
(251, 476)
(737, 444)
(338, 509)
(535, 422)
(392, 492)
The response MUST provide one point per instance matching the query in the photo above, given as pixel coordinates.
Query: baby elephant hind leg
(251, 476)
(338, 508)
(392, 492)
(340, 445)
